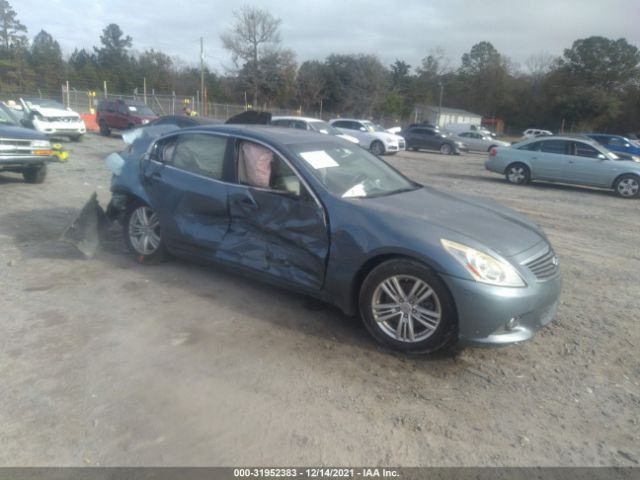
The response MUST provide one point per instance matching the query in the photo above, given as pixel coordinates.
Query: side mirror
(601, 156)
(362, 129)
(627, 145)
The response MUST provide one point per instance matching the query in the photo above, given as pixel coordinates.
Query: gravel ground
(106, 362)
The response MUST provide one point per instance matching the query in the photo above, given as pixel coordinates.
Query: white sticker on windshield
(319, 159)
(355, 191)
(133, 109)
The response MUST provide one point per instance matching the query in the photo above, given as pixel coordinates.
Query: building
(444, 116)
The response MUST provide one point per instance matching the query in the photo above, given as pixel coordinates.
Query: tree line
(594, 85)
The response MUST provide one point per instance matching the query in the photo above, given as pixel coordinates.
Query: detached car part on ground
(23, 150)
(52, 118)
(315, 213)
(573, 160)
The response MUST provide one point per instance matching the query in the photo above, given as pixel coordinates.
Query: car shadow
(37, 234)
(14, 178)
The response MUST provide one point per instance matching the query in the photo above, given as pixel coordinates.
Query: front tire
(35, 174)
(407, 307)
(143, 234)
(518, 174)
(105, 131)
(446, 149)
(627, 186)
(377, 148)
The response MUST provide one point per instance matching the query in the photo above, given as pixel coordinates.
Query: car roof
(292, 117)
(270, 133)
(582, 138)
(352, 120)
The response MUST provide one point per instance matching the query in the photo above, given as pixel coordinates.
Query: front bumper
(60, 128)
(24, 160)
(485, 310)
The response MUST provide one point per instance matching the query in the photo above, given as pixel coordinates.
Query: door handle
(534, 158)
(247, 202)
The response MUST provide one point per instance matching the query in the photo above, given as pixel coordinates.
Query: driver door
(276, 226)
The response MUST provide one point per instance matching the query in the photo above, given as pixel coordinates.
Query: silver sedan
(568, 160)
(478, 142)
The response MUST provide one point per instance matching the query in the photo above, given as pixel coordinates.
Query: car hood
(54, 112)
(497, 228)
(20, 133)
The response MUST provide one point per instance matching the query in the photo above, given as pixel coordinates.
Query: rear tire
(627, 186)
(143, 234)
(407, 307)
(35, 174)
(518, 174)
(105, 131)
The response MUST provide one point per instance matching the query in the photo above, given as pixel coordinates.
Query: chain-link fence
(85, 101)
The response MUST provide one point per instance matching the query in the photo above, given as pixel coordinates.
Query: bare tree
(539, 65)
(253, 35)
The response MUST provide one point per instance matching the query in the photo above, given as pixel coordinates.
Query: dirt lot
(105, 362)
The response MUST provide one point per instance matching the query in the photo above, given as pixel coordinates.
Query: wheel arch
(632, 174)
(371, 263)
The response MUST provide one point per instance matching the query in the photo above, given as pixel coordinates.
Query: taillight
(493, 152)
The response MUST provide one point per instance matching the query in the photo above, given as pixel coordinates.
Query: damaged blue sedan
(423, 268)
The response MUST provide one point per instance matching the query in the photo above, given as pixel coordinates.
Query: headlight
(483, 267)
(41, 144)
(145, 121)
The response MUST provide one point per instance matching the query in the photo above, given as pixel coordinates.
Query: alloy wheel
(406, 308)
(144, 230)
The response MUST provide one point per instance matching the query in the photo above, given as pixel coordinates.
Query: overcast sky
(390, 29)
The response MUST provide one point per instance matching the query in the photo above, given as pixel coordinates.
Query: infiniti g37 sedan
(423, 268)
(575, 160)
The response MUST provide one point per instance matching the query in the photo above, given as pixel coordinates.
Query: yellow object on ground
(60, 152)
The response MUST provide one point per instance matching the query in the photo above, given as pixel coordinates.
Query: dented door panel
(276, 234)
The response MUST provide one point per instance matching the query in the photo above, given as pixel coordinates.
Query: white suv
(52, 118)
(370, 135)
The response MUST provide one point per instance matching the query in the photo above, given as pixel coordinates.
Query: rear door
(184, 180)
(277, 226)
(550, 160)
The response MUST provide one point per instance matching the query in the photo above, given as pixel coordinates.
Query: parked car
(568, 160)
(23, 150)
(479, 142)
(427, 138)
(317, 214)
(118, 114)
(371, 137)
(535, 132)
(311, 124)
(616, 143)
(454, 128)
(52, 118)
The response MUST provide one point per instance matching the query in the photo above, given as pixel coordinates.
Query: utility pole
(201, 75)
(440, 104)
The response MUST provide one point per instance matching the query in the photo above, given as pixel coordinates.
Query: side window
(429, 132)
(299, 125)
(584, 150)
(258, 166)
(198, 153)
(122, 108)
(559, 147)
(111, 107)
(616, 142)
(340, 124)
(534, 146)
(280, 123)
(465, 135)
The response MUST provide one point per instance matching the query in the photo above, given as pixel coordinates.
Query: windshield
(371, 127)
(323, 127)
(141, 110)
(7, 117)
(352, 172)
(43, 103)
